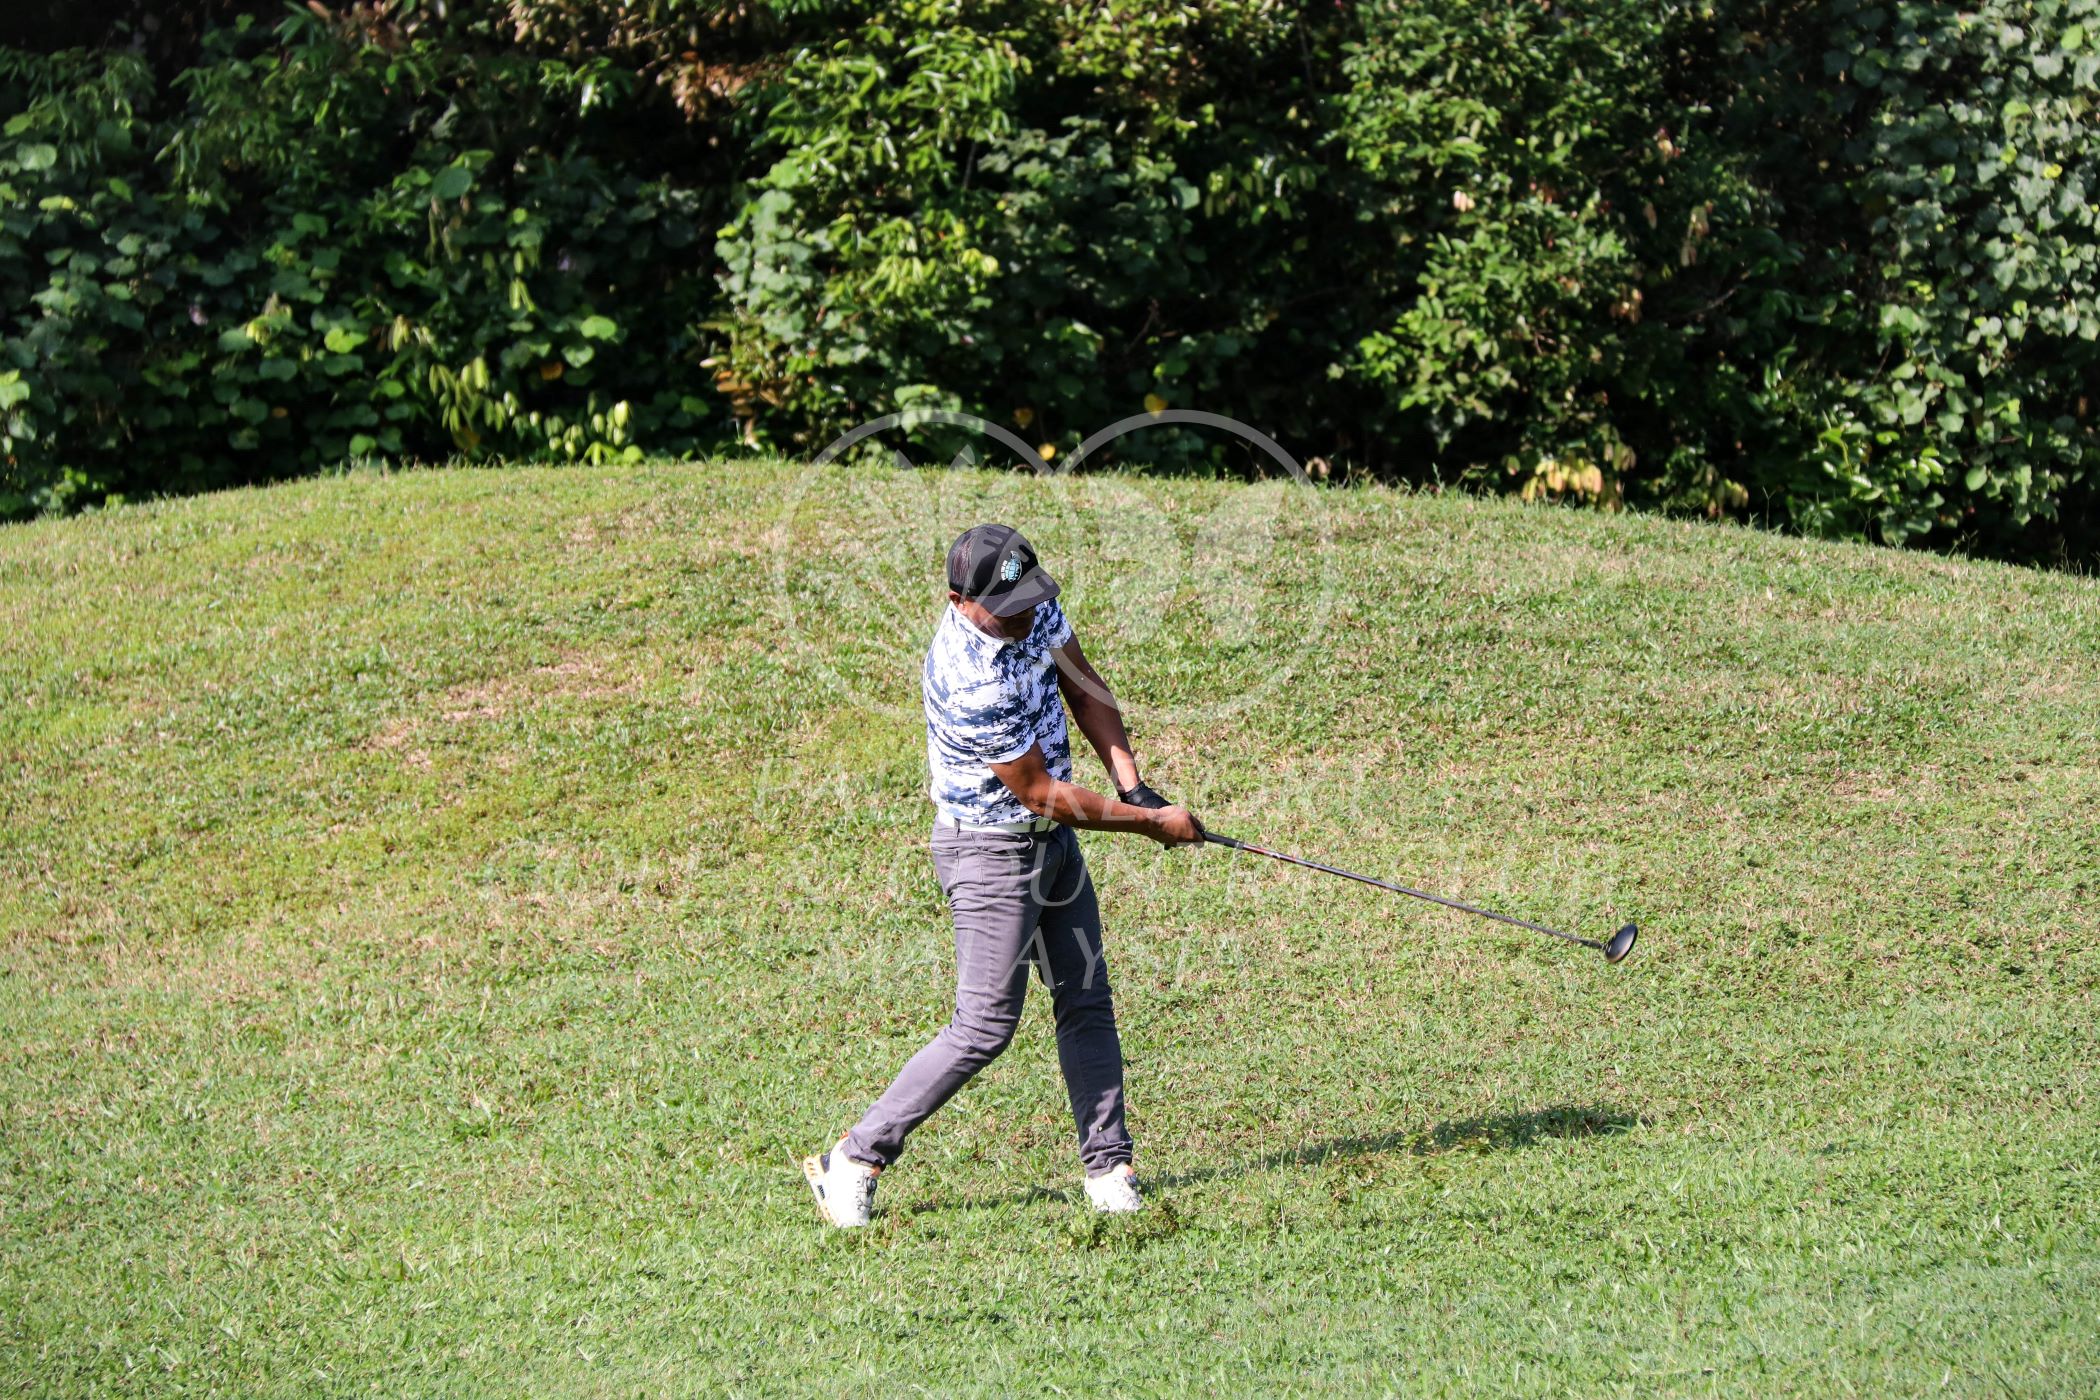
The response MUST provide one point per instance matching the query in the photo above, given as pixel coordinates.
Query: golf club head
(1621, 944)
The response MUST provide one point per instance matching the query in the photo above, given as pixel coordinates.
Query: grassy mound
(435, 910)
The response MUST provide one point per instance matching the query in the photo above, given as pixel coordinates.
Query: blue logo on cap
(1010, 570)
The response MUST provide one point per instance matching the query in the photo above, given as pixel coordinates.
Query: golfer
(1012, 871)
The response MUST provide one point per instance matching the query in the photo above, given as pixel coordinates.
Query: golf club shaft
(1218, 840)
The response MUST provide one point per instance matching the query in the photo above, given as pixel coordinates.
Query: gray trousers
(1020, 900)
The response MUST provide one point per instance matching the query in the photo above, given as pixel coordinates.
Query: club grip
(1217, 840)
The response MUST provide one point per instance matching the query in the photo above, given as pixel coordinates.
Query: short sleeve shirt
(989, 700)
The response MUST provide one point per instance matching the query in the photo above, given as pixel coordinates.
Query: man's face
(1014, 628)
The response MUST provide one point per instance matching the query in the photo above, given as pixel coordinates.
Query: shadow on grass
(1493, 1132)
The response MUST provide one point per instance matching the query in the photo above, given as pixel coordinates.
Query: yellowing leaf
(1048, 449)
(1155, 405)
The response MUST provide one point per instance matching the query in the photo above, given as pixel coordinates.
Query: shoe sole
(813, 1172)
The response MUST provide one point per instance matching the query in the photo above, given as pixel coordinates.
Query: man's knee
(979, 1037)
(1081, 984)
(1085, 1009)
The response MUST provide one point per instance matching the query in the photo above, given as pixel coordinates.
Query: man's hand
(1175, 826)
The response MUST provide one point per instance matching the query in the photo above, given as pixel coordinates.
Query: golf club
(1614, 951)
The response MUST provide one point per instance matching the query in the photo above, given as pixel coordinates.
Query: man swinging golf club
(1010, 866)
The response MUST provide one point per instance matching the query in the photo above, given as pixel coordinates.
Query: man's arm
(1029, 780)
(1099, 717)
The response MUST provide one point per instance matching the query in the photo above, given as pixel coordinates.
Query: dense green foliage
(1925, 313)
(1820, 263)
(421, 968)
(333, 253)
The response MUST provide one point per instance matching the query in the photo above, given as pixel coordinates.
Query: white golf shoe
(1115, 1192)
(845, 1189)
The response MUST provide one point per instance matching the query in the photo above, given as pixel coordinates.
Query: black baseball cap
(995, 566)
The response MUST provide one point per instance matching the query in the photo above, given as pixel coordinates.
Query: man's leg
(1076, 970)
(991, 882)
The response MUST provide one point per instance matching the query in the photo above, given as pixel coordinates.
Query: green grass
(435, 909)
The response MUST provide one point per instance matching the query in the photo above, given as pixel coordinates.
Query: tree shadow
(1493, 1132)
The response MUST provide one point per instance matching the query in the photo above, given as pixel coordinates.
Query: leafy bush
(1821, 263)
(298, 255)
(1512, 151)
(1932, 336)
(945, 224)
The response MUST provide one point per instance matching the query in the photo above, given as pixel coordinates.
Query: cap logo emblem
(1010, 571)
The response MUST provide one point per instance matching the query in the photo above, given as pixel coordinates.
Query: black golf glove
(1143, 796)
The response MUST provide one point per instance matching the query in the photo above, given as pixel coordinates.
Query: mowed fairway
(435, 911)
